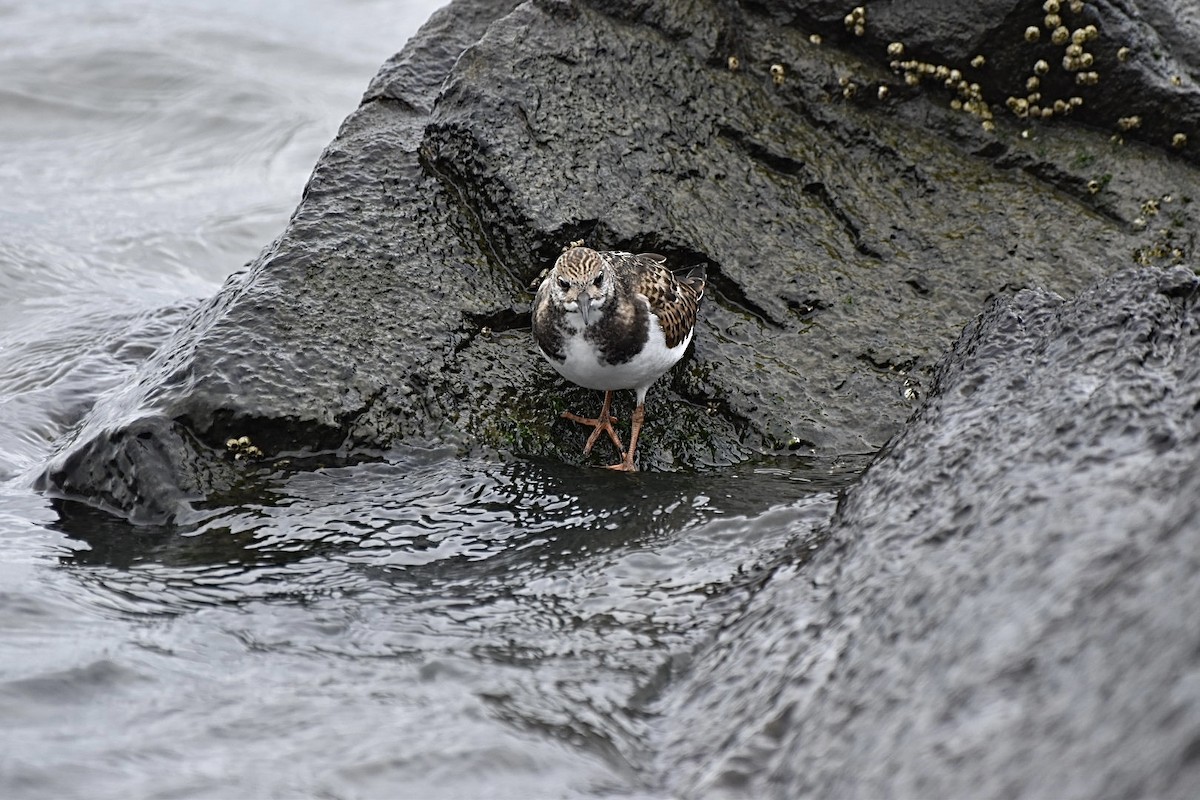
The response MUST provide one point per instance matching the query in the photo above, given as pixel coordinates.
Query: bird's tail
(694, 276)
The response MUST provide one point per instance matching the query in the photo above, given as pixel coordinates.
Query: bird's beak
(585, 308)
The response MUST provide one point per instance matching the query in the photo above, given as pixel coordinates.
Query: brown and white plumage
(614, 320)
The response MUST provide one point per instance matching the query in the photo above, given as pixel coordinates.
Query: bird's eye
(599, 281)
(564, 285)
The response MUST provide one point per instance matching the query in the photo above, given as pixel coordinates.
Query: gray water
(426, 626)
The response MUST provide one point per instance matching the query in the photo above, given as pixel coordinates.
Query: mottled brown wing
(547, 323)
(674, 299)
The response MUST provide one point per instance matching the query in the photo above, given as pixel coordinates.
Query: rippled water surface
(425, 626)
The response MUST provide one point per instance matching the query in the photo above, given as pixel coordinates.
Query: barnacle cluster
(1129, 123)
(1075, 59)
(241, 448)
(849, 88)
(1164, 246)
(856, 21)
(969, 94)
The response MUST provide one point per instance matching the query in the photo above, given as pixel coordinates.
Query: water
(426, 626)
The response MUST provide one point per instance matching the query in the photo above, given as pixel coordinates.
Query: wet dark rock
(1003, 607)
(341, 337)
(848, 239)
(1154, 80)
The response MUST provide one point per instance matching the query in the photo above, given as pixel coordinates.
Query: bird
(611, 321)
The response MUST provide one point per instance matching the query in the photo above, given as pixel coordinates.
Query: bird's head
(582, 280)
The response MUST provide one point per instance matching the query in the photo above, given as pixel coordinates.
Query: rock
(1003, 607)
(339, 337)
(1152, 78)
(848, 239)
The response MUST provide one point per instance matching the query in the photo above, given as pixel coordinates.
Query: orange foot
(602, 424)
(627, 465)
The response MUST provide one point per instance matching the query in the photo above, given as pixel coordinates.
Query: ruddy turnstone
(612, 320)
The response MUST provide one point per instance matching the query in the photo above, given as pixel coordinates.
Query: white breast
(583, 363)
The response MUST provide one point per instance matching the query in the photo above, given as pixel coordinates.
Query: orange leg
(603, 423)
(626, 465)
